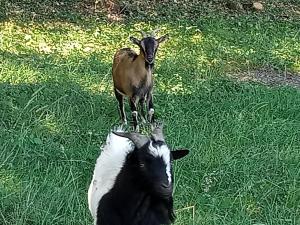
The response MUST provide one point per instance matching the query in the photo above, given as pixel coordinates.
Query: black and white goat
(133, 181)
(132, 76)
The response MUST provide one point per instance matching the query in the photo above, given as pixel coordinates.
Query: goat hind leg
(142, 106)
(133, 106)
(150, 108)
(120, 99)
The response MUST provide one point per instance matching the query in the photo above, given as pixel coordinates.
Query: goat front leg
(120, 99)
(150, 108)
(133, 106)
(142, 106)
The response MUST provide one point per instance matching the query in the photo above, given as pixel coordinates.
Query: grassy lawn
(57, 106)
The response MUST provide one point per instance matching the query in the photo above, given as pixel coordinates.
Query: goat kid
(132, 76)
(133, 181)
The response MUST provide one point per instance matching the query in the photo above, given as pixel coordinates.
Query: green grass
(57, 106)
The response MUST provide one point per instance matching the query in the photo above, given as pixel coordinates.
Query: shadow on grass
(219, 43)
(30, 10)
(155, 11)
(51, 100)
(244, 142)
(244, 138)
(45, 127)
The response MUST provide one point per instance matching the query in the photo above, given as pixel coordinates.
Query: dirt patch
(270, 77)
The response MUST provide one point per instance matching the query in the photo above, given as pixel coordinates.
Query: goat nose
(150, 59)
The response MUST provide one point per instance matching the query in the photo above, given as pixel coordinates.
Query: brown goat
(132, 76)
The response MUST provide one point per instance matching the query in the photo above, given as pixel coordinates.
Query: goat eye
(142, 165)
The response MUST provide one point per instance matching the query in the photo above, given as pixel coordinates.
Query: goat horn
(157, 132)
(138, 140)
(143, 33)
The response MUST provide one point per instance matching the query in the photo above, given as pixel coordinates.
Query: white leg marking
(135, 114)
(137, 129)
(150, 113)
(120, 92)
(123, 111)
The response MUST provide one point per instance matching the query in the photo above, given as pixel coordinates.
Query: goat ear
(135, 41)
(162, 38)
(178, 154)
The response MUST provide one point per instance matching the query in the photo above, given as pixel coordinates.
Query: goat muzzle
(150, 60)
(165, 190)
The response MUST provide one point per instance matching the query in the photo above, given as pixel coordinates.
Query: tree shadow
(45, 126)
(56, 110)
(52, 98)
(66, 10)
(79, 11)
(221, 43)
(51, 130)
